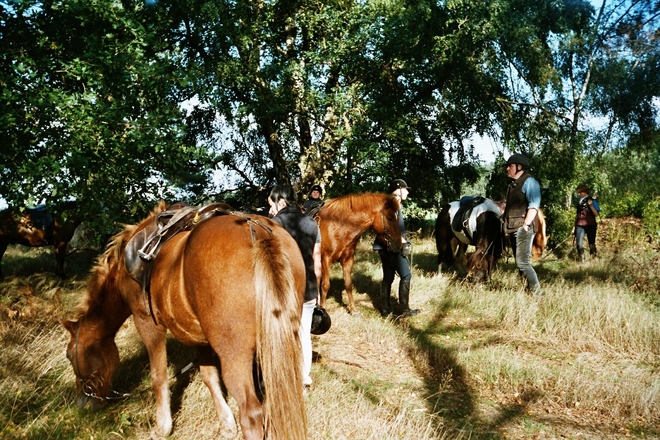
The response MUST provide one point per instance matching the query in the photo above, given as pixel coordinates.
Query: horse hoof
(355, 314)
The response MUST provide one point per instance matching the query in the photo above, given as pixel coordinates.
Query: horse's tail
(541, 238)
(279, 353)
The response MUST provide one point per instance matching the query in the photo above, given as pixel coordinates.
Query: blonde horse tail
(279, 353)
(541, 237)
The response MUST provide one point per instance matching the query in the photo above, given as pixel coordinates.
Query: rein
(87, 389)
(386, 233)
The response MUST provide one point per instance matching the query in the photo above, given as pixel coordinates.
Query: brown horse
(232, 285)
(478, 225)
(342, 221)
(28, 229)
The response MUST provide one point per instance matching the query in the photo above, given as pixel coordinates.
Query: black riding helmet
(321, 321)
(398, 183)
(316, 188)
(520, 159)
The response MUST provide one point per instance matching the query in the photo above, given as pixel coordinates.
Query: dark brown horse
(29, 228)
(459, 225)
(342, 221)
(232, 285)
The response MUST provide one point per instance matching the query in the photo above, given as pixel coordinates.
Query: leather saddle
(313, 212)
(143, 247)
(461, 218)
(39, 217)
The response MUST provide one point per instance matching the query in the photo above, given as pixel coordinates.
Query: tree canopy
(120, 103)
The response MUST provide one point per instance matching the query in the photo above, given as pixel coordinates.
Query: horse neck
(108, 312)
(357, 223)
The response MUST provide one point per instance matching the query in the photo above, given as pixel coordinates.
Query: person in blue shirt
(585, 221)
(523, 200)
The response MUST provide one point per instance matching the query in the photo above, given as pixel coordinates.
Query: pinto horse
(37, 228)
(471, 221)
(342, 222)
(232, 285)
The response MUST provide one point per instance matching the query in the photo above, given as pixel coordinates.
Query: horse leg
(347, 269)
(236, 362)
(3, 249)
(325, 281)
(60, 254)
(211, 379)
(154, 340)
(461, 259)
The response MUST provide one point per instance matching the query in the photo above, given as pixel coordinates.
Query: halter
(87, 389)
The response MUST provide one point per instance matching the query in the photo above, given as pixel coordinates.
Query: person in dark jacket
(314, 200)
(396, 262)
(305, 231)
(523, 200)
(585, 221)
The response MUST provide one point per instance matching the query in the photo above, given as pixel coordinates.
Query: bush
(419, 220)
(651, 215)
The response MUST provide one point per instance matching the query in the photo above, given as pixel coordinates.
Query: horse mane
(365, 202)
(106, 264)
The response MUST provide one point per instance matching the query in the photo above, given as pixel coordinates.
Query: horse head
(388, 228)
(94, 361)
(488, 247)
(92, 350)
(479, 265)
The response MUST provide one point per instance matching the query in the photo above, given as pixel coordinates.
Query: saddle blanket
(470, 224)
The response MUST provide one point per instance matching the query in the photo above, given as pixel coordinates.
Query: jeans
(580, 232)
(306, 339)
(524, 240)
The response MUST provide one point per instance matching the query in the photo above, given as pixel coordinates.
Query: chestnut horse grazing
(342, 222)
(233, 285)
(37, 227)
(472, 221)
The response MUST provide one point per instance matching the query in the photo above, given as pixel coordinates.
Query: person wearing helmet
(314, 200)
(523, 200)
(396, 262)
(303, 228)
(585, 221)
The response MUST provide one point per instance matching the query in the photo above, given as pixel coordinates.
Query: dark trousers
(581, 231)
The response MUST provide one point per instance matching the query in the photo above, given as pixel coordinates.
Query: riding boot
(580, 252)
(592, 250)
(404, 294)
(385, 307)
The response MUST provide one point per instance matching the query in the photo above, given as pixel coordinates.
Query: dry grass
(486, 362)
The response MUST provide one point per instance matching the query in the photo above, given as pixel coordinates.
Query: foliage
(88, 111)
(120, 103)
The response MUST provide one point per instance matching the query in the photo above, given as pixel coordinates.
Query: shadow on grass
(133, 376)
(21, 261)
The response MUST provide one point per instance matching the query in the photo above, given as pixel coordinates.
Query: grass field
(479, 362)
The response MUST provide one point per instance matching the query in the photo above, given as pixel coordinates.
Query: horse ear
(71, 326)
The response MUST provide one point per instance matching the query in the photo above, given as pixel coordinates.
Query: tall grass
(486, 362)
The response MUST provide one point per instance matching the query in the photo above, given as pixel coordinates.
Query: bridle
(87, 389)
